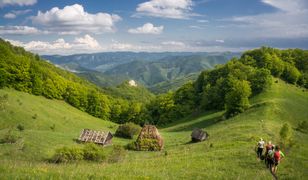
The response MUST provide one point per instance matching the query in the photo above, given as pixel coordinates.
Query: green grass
(228, 154)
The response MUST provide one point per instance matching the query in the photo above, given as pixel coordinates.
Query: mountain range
(149, 69)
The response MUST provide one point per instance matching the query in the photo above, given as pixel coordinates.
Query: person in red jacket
(277, 156)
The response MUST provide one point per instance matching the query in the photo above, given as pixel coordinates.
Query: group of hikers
(272, 155)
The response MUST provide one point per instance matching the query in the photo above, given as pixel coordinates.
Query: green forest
(226, 87)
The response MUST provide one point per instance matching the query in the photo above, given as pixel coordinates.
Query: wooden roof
(199, 134)
(98, 137)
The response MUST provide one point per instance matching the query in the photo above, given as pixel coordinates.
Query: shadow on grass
(200, 124)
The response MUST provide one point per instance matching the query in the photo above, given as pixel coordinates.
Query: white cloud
(9, 16)
(85, 44)
(20, 30)
(147, 28)
(14, 14)
(173, 43)
(220, 40)
(287, 5)
(17, 2)
(120, 46)
(195, 27)
(88, 44)
(175, 9)
(203, 21)
(290, 21)
(74, 20)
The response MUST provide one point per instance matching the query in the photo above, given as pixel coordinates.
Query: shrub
(90, 152)
(9, 137)
(53, 127)
(302, 126)
(118, 154)
(93, 152)
(286, 134)
(131, 146)
(20, 127)
(67, 154)
(3, 102)
(128, 130)
(34, 116)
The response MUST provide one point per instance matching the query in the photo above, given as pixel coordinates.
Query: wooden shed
(199, 135)
(97, 137)
(149, 139)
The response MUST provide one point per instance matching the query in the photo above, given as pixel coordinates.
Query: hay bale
(149, 139)
(198, 135)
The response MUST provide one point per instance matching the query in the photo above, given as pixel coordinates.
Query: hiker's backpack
(269, 147)
(277, 155)
(270, 153)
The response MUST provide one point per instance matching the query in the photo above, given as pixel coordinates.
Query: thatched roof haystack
(149, 139)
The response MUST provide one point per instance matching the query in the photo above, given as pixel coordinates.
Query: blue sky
(68, 27)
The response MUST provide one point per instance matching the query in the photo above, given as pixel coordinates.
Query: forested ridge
(231, 85)
(226, 87)
(29, 73)
(159, 72)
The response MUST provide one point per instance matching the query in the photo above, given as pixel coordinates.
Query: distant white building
(132, 83)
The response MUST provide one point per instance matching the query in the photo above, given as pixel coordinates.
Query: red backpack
(277, 155)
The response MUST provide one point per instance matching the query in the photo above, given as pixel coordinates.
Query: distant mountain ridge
(149, 69)
(166, 69)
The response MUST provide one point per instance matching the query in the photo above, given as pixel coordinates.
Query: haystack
(199, 135)
(149, 139)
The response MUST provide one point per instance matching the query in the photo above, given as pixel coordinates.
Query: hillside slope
(228, 154)
(47, 124)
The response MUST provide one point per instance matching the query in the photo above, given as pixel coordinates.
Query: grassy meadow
(228, 154)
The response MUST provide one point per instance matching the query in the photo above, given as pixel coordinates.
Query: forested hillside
(227, 87)
(231, 85)
(27, 72)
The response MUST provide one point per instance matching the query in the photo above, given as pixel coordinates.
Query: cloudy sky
(68, 26)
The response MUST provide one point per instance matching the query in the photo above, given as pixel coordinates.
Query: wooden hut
(97, 137)
(198, 135)
(149, 139)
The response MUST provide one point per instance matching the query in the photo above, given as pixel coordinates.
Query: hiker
(270, 158)
(260, 148)
(278, 155)
(268, 147)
